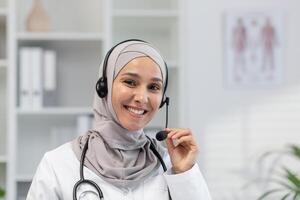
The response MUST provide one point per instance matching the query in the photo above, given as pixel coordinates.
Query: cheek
(116, 97)
(156, 100)
(119, 96)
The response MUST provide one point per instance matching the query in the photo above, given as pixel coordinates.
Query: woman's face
(137, 93)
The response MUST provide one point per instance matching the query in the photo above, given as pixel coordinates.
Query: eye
(154, 87)
(130, 82)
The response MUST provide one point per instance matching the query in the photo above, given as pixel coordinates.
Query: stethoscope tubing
(82, 179)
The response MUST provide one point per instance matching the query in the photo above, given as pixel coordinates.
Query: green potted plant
(282, 180)
(2, 193)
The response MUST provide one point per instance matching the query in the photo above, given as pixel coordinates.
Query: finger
(185, 140)
(187, 143)
(173, 129)
(170, 144)
(180, 133)
(171, 132)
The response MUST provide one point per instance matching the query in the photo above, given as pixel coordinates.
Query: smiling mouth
(135, 111)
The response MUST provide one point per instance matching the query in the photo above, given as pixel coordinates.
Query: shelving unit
(80, 34)
(57, 111)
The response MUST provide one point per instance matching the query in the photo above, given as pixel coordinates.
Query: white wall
(234, 126)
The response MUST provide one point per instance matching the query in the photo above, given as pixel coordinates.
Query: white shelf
(61, 36)
(56, 111)
(145, 13)
(145, 4)
(3, 63)
(24, 178)
(3, 159)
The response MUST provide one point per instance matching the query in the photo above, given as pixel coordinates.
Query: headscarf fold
(119, 156)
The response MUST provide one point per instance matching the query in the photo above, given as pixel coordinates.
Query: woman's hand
(184, 152)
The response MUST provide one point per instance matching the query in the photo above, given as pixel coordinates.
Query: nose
(141, 96)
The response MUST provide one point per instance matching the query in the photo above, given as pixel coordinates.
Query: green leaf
(292, 177)
(287, 181)
(285, 196)
(268, 193)
(267, 154)
(2, 192)
(282, 183)
(296, 195)
(295, 150)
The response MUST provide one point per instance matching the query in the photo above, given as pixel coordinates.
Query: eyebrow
(156, 79)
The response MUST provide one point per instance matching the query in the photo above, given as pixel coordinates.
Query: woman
(119, 159)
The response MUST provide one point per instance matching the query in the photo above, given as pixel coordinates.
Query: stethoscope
(94, 185)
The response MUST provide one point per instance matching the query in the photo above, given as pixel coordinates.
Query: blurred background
(233, 70)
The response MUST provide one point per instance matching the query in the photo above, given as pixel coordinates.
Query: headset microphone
(162, 135)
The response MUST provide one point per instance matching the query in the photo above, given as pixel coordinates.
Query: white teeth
(135, 111)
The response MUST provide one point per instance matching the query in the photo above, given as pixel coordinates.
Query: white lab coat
(59, 171)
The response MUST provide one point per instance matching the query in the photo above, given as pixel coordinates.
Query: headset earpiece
(101, 87)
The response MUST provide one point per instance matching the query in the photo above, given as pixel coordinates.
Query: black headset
(101, 85)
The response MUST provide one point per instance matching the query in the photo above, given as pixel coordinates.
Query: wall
(233, 126)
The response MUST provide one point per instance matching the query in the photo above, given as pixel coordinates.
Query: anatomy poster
(253, 49)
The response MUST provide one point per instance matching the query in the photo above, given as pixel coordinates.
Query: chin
(134, 127)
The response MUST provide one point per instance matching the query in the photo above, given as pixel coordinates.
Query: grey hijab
(120, 157)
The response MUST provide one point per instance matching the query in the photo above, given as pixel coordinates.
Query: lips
(135, 110)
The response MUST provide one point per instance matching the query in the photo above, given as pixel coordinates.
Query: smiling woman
(115, 159)
(137, 93)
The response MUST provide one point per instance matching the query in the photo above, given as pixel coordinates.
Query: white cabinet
(80, 34)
